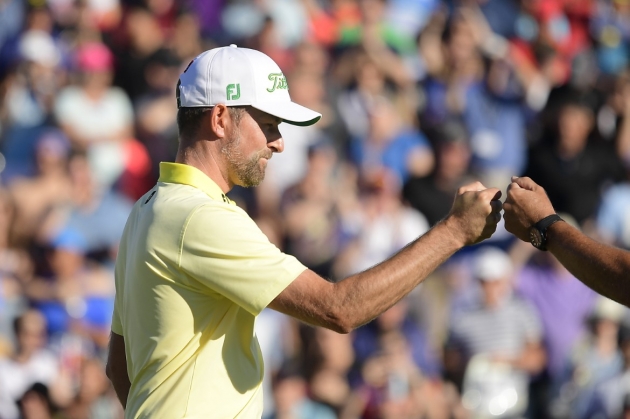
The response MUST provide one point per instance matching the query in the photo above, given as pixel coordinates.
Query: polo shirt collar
(188, 175)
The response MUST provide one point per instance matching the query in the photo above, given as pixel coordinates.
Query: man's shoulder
(183, 199)
(171, 206)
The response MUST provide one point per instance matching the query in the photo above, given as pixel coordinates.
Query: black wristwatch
(538, 232)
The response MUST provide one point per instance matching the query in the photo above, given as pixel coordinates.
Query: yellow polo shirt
(193, 271)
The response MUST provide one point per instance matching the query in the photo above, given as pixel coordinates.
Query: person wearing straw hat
(193, 269)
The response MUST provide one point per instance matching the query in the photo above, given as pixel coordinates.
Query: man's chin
(251, 182)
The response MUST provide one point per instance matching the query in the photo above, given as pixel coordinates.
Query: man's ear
(218, 120)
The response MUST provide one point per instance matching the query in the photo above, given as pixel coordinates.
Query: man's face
(495, 291)
(251, 144)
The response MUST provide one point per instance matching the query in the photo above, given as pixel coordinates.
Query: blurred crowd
(418, 97)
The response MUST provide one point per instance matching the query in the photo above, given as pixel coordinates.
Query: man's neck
(205, 160)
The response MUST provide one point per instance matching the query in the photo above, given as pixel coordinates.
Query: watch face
(535, 237)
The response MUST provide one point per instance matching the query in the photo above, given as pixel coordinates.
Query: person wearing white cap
(503, 331)
(194, 270)
(497, 323)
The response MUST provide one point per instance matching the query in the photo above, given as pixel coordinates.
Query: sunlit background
(418, 97)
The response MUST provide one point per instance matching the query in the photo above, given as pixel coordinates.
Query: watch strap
(542, 227)
(546, 222)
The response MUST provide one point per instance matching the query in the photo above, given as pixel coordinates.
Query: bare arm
(117, 368)
(360, 298)
(603, 268)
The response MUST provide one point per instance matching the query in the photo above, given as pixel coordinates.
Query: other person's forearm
(603, 268)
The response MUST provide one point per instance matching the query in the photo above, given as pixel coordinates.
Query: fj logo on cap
(279, 82)
(229, 91)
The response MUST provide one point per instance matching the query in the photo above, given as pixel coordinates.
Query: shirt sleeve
(224, 250)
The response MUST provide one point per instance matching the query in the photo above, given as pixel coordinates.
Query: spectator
(31, 363)
(97, 213)
(35, 403)
(291, 395)
(595, 359)
(79, 295)
(385, 225)
(453, 63)
(391, 144)
(431, 195)
(497, 330)
(610, 27)
(397, 319)
(613, 222)
(38, 76)
(16, 270)
(326, 365)
(315, 224)
(97, 117)
(496, 118)
(391, 382)
(573, 169)
(611, 396)
(375, 28)
(156, 110)
(48, 188)
(92, 400)
(139, 38)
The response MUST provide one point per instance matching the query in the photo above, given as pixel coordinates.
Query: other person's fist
(526, 204)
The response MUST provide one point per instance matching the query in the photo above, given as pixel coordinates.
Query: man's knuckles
(471, 187)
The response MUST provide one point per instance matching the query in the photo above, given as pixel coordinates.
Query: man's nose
(276, 144)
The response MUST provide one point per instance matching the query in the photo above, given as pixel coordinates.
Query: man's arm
(356, 300)
(603, 268)
(117, 368)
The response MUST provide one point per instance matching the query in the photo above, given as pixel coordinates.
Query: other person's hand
(526, 204)
(475, 213)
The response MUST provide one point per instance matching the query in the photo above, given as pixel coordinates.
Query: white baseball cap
(240, 77)
(492, 264)
(38, 46)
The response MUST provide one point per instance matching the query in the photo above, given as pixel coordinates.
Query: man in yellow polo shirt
(194, 270)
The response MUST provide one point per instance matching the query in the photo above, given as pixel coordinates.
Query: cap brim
(290, 112)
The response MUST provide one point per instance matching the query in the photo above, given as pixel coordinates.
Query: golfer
(194, 270)
(530, 216)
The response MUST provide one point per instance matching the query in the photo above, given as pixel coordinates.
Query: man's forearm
(367, 294)
(603, 268)
(360, 298)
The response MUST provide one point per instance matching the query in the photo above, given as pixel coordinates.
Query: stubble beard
(248, 171)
